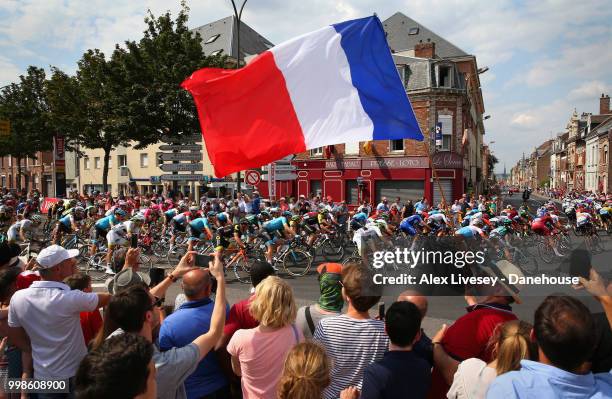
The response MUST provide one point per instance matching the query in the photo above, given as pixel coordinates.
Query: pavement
(442, 309)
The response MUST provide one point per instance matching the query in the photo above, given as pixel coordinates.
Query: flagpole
(238, 15)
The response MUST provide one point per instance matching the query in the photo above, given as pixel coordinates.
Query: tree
(87, 107)
(492, 161)
(24, 104)
(156, 107)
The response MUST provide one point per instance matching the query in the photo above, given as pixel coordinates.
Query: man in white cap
(48, 314)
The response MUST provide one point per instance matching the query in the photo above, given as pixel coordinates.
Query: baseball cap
(334, 268)
(126, 278)
(53, 255)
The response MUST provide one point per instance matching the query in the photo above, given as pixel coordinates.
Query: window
(447, 131)
(160, 161)
(216, 52)
(401, 70)
(351, 148)
(444, 76)
(144, 160)
(414, 31)
(316, 152)
(86, 163)
(212, 38)
(122, 160)
(110, 162)
(97, 163)
(605, 156)
(396, 145)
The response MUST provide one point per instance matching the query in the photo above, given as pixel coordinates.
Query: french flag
(336, 85)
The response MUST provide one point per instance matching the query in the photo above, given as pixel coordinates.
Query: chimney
(428, 50)
(604, 103)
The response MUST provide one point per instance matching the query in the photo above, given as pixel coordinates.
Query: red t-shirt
(240, 317)
(469, 337)
(91, 323)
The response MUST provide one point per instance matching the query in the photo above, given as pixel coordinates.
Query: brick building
(35, 173)
(443, 86)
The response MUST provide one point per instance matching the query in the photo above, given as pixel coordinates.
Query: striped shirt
(351, 344)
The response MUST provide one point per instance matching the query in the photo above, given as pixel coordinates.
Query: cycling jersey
(438, 217)
(199, 224)
(105, 222)
(500, 232)
(67, 220)
(13, 232)
(360, 217)
(407, 225)
(276, 224)
(469, 231)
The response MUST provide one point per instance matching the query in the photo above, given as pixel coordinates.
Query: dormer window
(413, 31)
(445, 76)
(212, 39)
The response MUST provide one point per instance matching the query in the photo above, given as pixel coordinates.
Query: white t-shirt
(49, 313)
(471, 380)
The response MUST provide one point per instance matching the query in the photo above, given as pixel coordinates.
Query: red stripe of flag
(246, 115)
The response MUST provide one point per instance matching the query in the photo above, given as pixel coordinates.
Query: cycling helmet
(138, 218)
(274, 210)
(507, 222)
(295, 218)
(222, 217)
(183, 207)
(36, 219)
(211, 214)
(523, 213)
(252, 219)
(193, 209)
(72, 202)
(244, 221)
(120, 212)
(287, 214)
(78, 209)
(265, 214)
(384, 216)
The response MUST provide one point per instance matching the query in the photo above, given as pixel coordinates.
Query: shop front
(356, 180)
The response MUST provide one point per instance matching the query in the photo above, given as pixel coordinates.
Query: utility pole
(237, 17)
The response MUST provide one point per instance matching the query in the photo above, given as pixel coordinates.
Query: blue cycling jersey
(414, 219)
(276, 224)
(105, 222)
(466, 232)
(199, 224)
(171, 212)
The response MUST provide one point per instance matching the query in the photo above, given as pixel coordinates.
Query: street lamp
(486, 117)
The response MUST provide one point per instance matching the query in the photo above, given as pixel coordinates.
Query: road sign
(281, 176)
(252, 177)
(194, 177)
(181, 167)
(155, 180)
(178, 147)
(5, 127)
(181, 156)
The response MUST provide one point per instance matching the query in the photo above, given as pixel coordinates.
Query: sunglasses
(158, 302)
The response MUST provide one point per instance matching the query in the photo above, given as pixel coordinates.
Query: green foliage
(157, 107)
(25, 106)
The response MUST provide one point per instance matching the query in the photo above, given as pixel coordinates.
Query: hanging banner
(59, 165)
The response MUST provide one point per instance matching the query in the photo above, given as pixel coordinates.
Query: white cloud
(9, 72)
(525, 119)
(589, 90)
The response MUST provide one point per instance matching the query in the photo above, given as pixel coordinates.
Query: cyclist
(21, 226)
(274, 230)
(543, 225)
(199, 228)
(325, 220)
(179, 222)
(224, 232)
(241, 228)
(69, 224)
(310, 224)
(119, 235)
(103, 226)
(358, 220)
(500, 237)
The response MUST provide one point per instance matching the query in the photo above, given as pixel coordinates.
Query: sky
(545, 58)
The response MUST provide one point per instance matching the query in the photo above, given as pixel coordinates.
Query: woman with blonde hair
(510, 343)
(305, 373)
(258, 353)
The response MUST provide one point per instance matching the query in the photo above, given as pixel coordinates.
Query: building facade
(36, 173)
(443, 85)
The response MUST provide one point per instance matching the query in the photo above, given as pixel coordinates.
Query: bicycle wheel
(175, 254)
(297, 262)
(83, 256)
(332, 252)
(527, 264)
(160, 249)
(545, 251)
(145, 263)
(242, 271)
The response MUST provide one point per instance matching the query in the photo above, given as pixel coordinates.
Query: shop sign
(447, 160)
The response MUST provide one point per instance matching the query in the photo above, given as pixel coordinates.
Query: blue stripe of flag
(375, 77)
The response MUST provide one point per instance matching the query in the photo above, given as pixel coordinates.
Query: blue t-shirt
(542, 381)
(188, 322)
(276, 224)
(400, 374)
(199, 224)
(105, 222)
